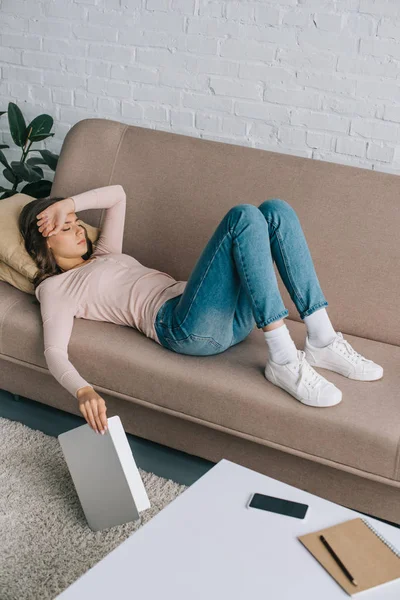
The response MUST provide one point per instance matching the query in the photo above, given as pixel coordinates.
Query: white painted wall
(313, 78)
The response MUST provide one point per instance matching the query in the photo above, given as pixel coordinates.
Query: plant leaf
(8, 193)
(4, 161)
(17, 124)
(49, 158)
(9, 175)
(35, 160)
(40, 124)
(40, 136)
(39, 189)
(26, 172)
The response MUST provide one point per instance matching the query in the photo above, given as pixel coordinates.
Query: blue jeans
(233, 285)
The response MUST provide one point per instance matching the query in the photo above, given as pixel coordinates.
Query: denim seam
(305, 314)
(208, 338)
(248, 286)
(284, 313)
(286, 262)
(195, 337)
(198, 287)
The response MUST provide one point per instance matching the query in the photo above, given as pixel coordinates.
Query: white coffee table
(207, 544)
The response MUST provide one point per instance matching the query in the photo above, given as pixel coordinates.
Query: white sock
(319, 328)
(281, 347)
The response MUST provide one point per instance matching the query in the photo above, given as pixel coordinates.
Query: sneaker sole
(292, 393)
(362, 377)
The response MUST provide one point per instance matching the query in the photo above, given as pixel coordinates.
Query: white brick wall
(314, 78)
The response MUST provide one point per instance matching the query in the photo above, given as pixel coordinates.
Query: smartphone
(278, 505)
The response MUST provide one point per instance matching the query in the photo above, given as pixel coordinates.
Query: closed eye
(70, 228)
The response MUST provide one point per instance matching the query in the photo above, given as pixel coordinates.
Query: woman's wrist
(82, 390)
(69, 203)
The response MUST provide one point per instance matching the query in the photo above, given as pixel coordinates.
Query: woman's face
(65, 243)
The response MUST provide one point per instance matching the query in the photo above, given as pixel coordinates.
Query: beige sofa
(221, 406)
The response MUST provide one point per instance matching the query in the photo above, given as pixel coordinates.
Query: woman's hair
(35, 242)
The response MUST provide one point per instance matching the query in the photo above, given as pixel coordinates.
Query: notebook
(371, 559)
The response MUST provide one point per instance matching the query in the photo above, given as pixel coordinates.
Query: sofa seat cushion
(228, 390)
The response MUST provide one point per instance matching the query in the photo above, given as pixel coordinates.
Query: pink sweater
(113, 287)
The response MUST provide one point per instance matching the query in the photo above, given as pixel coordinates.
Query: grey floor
(149, 456)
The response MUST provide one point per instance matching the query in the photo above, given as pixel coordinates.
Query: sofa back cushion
(179, 187)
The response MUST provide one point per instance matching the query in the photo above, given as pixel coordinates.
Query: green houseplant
(27, 169)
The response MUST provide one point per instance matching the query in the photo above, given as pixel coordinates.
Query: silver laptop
(105, 475)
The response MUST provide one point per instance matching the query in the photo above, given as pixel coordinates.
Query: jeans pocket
(194, 345)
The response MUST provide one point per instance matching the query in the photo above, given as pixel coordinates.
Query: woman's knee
(270, 206)
(244, 207)
(277, 207)
(250, 210)
(275, 204)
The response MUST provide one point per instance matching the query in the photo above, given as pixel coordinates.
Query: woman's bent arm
(113, 199)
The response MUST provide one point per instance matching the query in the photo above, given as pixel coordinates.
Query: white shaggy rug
(45, 541)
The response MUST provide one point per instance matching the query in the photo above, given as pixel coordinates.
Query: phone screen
(279, 505)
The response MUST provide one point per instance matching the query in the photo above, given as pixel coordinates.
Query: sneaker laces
(307, 373)
(352, 354)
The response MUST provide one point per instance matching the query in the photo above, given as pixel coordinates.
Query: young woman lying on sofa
(231, 288)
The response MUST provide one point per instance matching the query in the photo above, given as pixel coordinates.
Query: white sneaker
(339, 356)
(303, 382)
